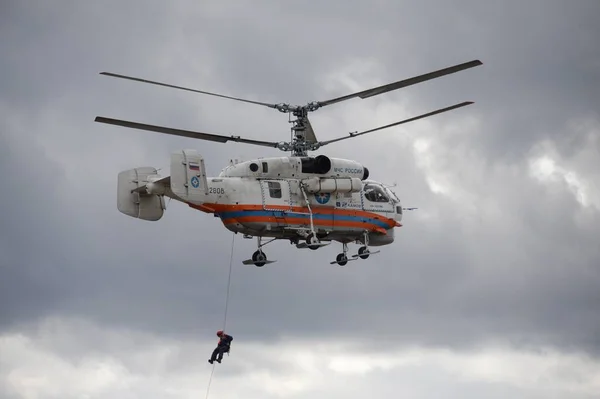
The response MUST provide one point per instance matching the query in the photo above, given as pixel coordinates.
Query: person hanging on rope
(223, 347)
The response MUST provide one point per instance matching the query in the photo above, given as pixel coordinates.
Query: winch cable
(226, 307)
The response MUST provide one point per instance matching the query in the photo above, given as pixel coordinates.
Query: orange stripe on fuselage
(222, 208)
(316, 209)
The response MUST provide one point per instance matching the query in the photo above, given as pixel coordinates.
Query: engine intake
(365, 174)
(333, 167)
(320, 165)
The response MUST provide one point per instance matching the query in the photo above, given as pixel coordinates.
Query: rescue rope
(226, 308)
(228, 282)
(209, 381)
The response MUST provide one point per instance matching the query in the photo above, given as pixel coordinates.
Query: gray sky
(499, 266)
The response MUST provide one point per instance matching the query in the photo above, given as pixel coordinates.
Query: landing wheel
(259, 258)
(311, 240)
(363, 252)
(342, 259)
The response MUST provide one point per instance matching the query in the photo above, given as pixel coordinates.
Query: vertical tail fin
(188, 176)
(134, 197)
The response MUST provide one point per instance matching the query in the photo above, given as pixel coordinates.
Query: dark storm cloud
(539, 60)
(529, 277)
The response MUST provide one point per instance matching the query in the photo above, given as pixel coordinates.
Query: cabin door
(275, 195)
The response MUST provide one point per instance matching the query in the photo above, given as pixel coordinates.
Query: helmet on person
(219, 333)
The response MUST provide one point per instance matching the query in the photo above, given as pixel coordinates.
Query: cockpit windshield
(375, 193)
(393, 195)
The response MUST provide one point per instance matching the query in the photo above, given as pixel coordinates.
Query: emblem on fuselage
(322, 198)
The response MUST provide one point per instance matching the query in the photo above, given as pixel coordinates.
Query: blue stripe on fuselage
(320, 216)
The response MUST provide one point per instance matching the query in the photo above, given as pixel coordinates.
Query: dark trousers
(219, 352)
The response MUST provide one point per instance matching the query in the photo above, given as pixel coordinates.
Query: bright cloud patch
(548, 168)
(40, 365)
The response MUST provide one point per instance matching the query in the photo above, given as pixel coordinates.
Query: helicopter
(309, 200)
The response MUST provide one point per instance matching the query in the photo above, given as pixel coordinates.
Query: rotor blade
(439, 111)
(403, 83)
(184, 133)
(188, 89)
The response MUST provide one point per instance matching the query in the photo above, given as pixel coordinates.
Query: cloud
(129, 363)
(500, 258)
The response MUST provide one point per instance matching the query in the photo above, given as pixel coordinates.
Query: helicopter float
(310, 201)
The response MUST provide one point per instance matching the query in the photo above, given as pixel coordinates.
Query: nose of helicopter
(397, 207)
(398, 214)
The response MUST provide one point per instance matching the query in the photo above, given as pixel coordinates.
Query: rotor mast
(299, 132)
(304, 139)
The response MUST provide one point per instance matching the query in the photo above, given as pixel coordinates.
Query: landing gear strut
(342, 259)
(259, 258)
(312, 241)
(364, 252)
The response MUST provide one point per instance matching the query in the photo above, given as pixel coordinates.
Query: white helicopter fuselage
(317, 199)
(275, 204)
(277, 197)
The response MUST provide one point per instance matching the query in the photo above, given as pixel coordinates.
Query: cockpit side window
(375, 193)
(392, 195)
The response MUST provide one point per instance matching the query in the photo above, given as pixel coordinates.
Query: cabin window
(274, 189)
(253, 167)
(375, 193)
(399, 210)
(265, 167)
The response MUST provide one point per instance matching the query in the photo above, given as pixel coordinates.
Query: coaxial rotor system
(304, 138)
